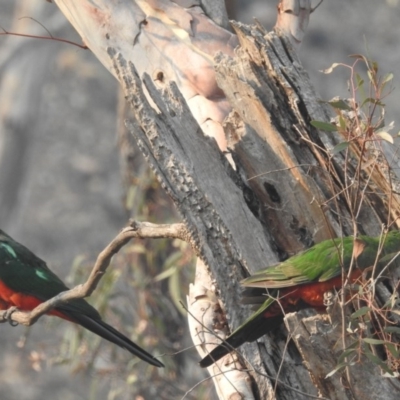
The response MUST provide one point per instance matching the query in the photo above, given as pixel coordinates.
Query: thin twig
(5, 32)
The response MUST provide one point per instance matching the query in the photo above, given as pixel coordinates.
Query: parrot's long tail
(252, 329)
(109, 333)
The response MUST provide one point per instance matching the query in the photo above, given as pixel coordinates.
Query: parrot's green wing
(325, 261)
(319, 263)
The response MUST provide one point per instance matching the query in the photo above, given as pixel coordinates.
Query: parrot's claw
(8, 314)
(329, 298)
(333, 309)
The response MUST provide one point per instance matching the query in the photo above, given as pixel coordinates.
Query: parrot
(26, 282)
(301, 281)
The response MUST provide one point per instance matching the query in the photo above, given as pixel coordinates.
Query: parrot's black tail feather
(109, 333)
(249, 332)
(254, 296)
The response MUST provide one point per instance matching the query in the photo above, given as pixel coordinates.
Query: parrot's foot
(330, 298)
(333, 308)
(7, 316)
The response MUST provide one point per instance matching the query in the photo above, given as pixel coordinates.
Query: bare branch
(135, 229)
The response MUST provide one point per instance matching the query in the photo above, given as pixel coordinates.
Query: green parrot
(301, 281)
(26, 282)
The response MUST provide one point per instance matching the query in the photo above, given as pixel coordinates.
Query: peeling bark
(165, 40)
(206, 320)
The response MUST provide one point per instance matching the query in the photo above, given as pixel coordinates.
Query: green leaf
(340, 105)
(381, 125)
(340, 147)
(376, 360)
(130, 197)
(385, 136)
(348, 351)
(324, 126)
(165, 274)
(359, 80)
(372, 357)
(346, 354)
(393, 350)
(372, 101)
(342, 123)
(370, 76)
(338, 368)
(360, 87)
(373, 341)
(392, 329)
(175, 291)
(173, 259)
(359, 313)
(367, 100)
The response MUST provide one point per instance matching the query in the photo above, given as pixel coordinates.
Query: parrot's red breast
(24, 302)
(311, 294)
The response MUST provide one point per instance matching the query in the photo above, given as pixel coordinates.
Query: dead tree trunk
(287, 191)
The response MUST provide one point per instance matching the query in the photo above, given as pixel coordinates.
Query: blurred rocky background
(70, 178)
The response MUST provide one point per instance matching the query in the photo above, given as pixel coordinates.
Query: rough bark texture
(285, 159)
(320, 346)
(286, 193)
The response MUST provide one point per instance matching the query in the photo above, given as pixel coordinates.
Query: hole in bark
(159, 77)
(281, 253)
(251, 201)
(107, 36)
(302, 233)
(272, 192)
